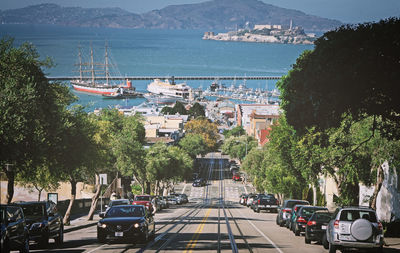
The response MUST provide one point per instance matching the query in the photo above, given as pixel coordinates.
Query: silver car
(354, 227)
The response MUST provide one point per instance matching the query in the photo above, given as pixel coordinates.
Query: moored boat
(167, 88)
(89, 84)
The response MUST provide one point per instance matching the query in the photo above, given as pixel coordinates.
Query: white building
(388, 201)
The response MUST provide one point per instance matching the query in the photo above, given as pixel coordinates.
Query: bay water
(148, 52)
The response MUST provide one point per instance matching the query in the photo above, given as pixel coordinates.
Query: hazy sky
(347, 11)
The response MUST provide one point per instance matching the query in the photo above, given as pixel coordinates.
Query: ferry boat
(169, 89)
(89, 85)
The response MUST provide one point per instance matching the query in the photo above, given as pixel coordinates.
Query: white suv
(354, 227)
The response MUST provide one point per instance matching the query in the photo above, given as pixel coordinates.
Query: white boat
(166, 88)
(89, 85)
(160, 99)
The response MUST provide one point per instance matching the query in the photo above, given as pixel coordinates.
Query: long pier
(215, 78)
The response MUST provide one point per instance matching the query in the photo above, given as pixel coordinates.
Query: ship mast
(106, 63)
(80, 62)
(92, 63)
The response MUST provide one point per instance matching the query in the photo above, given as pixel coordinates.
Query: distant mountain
(210, 15)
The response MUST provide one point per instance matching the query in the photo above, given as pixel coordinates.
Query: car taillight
(258, 201)
(287, 210)
(380, 227)
(311, 223)
(301, 219)
(295, 209)
(336, 224)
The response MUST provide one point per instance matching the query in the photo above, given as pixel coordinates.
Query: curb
(74, 228)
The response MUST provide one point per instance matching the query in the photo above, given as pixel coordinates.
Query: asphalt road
(212, 221)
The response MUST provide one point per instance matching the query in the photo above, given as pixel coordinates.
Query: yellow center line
(196, 235)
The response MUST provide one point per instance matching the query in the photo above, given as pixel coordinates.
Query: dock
(172, 78)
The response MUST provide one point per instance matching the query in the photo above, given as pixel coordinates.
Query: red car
(236, 177)
(144, 200)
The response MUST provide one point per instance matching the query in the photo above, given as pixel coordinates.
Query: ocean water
(146, 52)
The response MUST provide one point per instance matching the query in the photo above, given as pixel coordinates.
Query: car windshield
(352, 215)
(119, 202)
(125, 211)
(322, 217)
(33, 210)
(290, 204)
(308, 211)
(145, 198)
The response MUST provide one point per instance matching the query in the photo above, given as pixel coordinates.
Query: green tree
(280, 165)
(178, 108)
(352, 71)
(31, 110)
(77, 152)
(236, 131)
(206, 129)
(197, 110)
(129, 152)
(194, 145)
(166, 163)
(238, 147)
(252, 164)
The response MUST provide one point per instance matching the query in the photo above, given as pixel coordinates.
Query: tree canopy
(353, 70)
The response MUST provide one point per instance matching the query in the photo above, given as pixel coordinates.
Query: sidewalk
(392, 242)
(80, 221)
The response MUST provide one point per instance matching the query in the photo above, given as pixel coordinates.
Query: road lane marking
(196, 235)
(93, 250)
(261, 233)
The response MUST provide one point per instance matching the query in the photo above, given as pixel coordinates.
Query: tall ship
(94, 77)
(168, 91)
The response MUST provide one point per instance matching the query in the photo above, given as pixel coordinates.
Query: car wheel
(325, 242)
(332, 248)
(296, 231)
(306, 240)
(60, 238)
(101, 238)
(258, 210)
(145, 237)
(44, 242)
(6, 247)
(25, 247)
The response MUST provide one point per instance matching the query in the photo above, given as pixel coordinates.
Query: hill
(215, 14)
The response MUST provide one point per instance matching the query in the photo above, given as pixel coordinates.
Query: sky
(346, 11)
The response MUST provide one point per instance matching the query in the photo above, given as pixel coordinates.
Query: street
(213, 220)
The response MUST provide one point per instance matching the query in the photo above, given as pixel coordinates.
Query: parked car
(117, 202)
(265, 202)
(290, 222)
(174, 199)
(44, 221)
(250, 199)
(236, 176)
(132, 222)
(286, 209)
(316, 227)
(242, 198)
(354, 227)
(14, 232)
(163, 201)
(184, 198)
(302, 217)
(144, 200)
(199, 182)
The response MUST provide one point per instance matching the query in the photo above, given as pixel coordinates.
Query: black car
(199, 182)
(316, 227)
(302, 217)
(130, 222)
(43, 221)
(14, 233)
(285, 210)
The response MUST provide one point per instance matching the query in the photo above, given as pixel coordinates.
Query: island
(266, 34)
